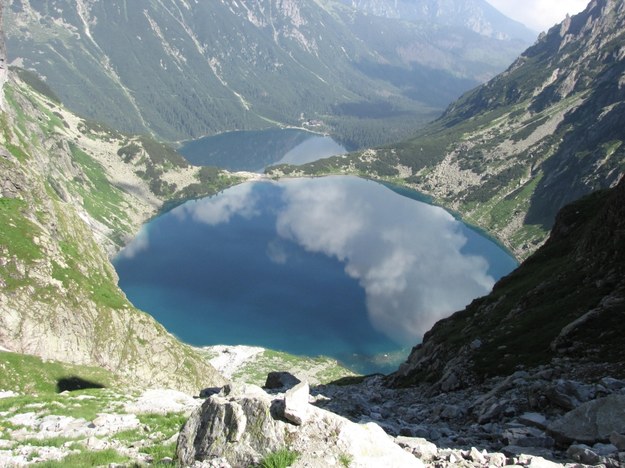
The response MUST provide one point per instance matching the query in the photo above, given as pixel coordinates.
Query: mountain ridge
(219, 67)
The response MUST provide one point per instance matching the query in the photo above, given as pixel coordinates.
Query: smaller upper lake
(338, 266)
(255, 150)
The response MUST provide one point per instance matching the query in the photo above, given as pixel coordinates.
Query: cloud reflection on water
(406, 255)
(239, 200)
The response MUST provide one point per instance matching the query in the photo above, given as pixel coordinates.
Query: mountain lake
(255, 150)
(337, 266)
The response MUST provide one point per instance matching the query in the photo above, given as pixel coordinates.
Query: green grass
(17, 232)
(279, 459)
(345, 460)
(86, 459)
(102, 200)
(168, 424)
(48, 442)
(160, 451)
(30, 374)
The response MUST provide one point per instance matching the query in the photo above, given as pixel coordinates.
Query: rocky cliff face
(511, 153)
(565, 301)
(71, 192)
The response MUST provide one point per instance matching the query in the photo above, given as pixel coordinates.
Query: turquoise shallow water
(335, 266)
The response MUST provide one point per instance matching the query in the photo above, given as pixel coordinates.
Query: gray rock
(451, 412)
(476, 456)
(528, 437)
(244, 423)
(568, 394)
(497, 459)
(583, 454)
(540, 462)
(592, 422)
(296, 403)
(613, 385)
(279, 380)
(420, 448)
(219, 428)
(618, 440)
(604, 450)
(492, 412)
(515, 450)
(533, 419)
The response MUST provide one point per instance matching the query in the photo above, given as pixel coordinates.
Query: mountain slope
(565, 301)
(510, 153)
(70, 192)
(183, 69)
(476, 15)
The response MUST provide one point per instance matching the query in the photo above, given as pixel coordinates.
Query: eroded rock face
(243, 424)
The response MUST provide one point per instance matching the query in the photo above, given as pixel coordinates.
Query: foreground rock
(519, 420)
(243, 424)
(592, 422)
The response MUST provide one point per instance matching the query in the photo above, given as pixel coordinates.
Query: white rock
(160, 401)
(7, 394)
(25, 419)
(540, 462)
(419, 447)
(112, 423)
(371, 447)
(296, 403)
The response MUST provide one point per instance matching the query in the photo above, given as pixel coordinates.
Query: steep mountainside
(565, 301)
(510, 153)
(70, 192)
(182, 69)
(477, 15)
(3, 60)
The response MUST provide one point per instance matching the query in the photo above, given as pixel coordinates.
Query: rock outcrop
(243, 424)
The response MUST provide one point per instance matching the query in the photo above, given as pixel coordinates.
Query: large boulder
(591, 422)
(243, 424)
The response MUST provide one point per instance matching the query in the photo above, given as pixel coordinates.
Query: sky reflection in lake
(337, 266)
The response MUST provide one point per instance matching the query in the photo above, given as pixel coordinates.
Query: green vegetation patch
(23, 373)
(87, 458)
(279, 459)
(101, 199)
(17, 232)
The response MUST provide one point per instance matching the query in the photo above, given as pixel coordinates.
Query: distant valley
(181, 70)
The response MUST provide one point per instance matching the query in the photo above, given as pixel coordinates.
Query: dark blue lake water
(255, 150)
(336, 266)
